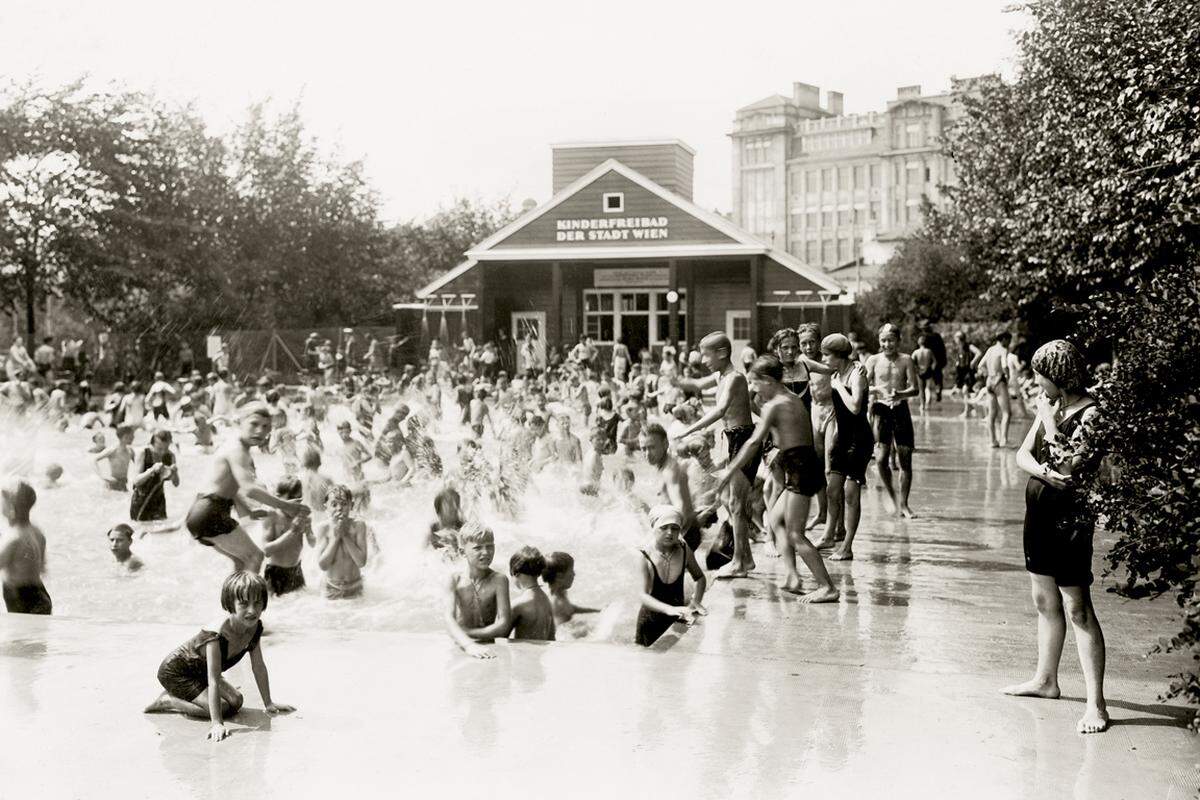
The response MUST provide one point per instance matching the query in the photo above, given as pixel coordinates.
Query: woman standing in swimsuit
(153, 467)
(662, 579)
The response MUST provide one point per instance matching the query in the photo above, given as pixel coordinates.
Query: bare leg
(1052, 631)
(834, 487)
(853, 493)
(739, 513)
(240, 549)
(1089, 641)
(822, 510)
(906, 476)
(777, 517)
(796, 512)
(231, 703)
(1005, 415)
(993, 413)
(883, 462)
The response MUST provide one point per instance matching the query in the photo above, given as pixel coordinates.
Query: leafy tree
(1079, 194)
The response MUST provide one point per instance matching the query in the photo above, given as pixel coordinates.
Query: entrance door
(526, 324)
(737, 328)
(635, 333)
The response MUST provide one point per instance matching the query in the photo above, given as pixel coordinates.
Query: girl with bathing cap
(662, 578)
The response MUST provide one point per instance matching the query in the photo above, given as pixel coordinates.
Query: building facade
(831, 188)
(621, 253)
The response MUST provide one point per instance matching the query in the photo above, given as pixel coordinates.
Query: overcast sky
(443, 99)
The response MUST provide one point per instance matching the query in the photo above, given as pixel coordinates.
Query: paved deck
(891, 693)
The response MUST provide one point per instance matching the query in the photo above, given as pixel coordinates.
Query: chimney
(806, 95)
(833, 103)
(907, 92)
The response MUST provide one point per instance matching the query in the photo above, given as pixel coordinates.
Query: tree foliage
(1079, 195)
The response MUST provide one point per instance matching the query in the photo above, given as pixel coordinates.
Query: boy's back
(533, 615)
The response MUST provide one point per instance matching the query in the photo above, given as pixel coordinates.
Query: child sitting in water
(22, 552)
(191, 673)
(532, 614)
(120, 544)
(559, 575)
(478, 607)
(342, 544)
(119, 457)
(283, 540)
(443, 531)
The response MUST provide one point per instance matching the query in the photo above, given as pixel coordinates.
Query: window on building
(915, 173)
(860, 215)
(860, 177)
(810, 219)
(604, 311)
(843, 251)
(857, 248)
(827, 180)
(896, 172)
(758, 200)
(812, 251)
(912, 135)
(827, 219)
(874, 211)
(812, 182)
(741, 328)
(827, 251)
(614, 202)
(843, 216)
(928, 174)
(844, 179)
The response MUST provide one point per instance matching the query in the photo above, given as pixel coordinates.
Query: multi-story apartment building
(830, 187)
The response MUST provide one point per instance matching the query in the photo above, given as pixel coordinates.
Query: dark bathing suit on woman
(1058, 528)
(851, 451)
(184, 672)
(651, 625)
(210, 518)
(148, 502)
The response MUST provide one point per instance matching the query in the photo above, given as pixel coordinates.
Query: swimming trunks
(737, 438)
(692, 535)
(184, 672)
(29, 599)
(651, 625)
(894, 424)
(925, 374)
(342, 590)
(210, 517)
(282, 580)
(803, 471)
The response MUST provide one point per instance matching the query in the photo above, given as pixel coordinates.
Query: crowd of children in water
(800, 423)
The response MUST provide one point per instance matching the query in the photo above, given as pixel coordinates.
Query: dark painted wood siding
(668, 165)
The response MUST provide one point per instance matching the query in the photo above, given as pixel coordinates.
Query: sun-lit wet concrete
(890, 693)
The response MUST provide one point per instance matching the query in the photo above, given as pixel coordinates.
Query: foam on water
(404, 583)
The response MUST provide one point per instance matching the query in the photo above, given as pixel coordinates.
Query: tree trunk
(30, 309)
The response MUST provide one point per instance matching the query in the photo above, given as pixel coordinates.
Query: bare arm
(854, 394)
(503, 621)
(212, 654)
(356, 544)
(911, 379)
(329, 544)
(701, 581)
(718, 410)
(816, 366)
(259, 668)
(450, 619)
(248, 486)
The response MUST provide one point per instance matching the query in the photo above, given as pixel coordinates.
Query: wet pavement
(890, 693)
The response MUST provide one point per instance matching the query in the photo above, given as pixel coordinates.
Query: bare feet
(792, 587)
(907, 512)
(889, 503)
(1034, 688)
(1095, 720)
(824, 542)
(732, 571)
(841, 554)
(816, 523)
(826, 594)
(166, 704)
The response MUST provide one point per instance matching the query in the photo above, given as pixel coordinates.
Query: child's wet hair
(527, 561)
(311, 459)
(341, 494)
(768, 366)
(557, 563)
(161, 435)
(473, 532)
(440, 499)
(121, 528)
(288, 488)
(125, 429)
(245, 586)
(20, 497)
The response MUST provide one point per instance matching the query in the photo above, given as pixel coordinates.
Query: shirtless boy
(283, 539)
(733, 409)
(341, 547)
(479, 413)
(22, 552)
(787, 420)
(232, 481)
(532, 614)
(354, 454)
(926, 363)
(995, 373)
(893, 378)
(120, 544)
(119, 457)
(672, 481)
(477, 609)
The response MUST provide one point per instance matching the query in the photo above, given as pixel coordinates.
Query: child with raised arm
(1059, 528)
(283, 540)
(559, 575)
(191, 674)
(662, 597)
(532, 613)
(477, 609)
(120, 544)
(786, 418)
(22, 552)
(342, 547)
(118, 457)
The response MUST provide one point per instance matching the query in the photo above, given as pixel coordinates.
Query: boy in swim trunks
(342, 547)
(997, 379)
(787, 420)
(733, 409)
(22, 552)
(119, 457)
(230, 483)
(283, 540)
(926, 364)
(893, 378)
(477, 604)
(532, 614)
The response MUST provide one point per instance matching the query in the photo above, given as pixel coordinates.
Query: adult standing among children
(1059, 529)
(43, 357)
(892, 377)
(966, 359)
(620, 360)
(18, 361)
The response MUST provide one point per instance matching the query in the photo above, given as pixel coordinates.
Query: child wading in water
(532, 613)
(662, 578)
(283, 539)
(153, 467)
(342, 547)
(120, 544)
(559, 576)
(1059, 529)
(22, 552)
(191, 673)
(478, 608)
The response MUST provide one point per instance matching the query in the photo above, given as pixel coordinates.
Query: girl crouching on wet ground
(1059, 528)
(191, 674)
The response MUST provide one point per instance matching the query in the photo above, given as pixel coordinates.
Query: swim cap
(837, 345)
(663, 515)
(1062, 364)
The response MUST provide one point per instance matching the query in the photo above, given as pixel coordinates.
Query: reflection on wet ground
(889, 693)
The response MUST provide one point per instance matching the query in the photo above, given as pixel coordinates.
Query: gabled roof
(743, 243)
(767, 102)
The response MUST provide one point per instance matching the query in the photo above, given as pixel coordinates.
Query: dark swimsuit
(737, 438)
(282, 580)
(851, 451)
(895, 424)
(184, 672)
(210, 517)
(148, 502)
(1058, 527)
(30, 599)
(651, 625)
(803, 470)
